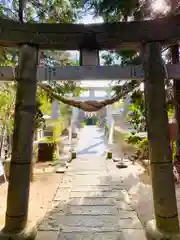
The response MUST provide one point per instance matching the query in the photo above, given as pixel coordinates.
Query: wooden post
(166, 224)
(20, 167)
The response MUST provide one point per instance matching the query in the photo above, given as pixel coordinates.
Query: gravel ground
(42, 190)
(140, 190)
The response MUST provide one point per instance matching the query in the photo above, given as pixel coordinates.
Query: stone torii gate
(145, 36)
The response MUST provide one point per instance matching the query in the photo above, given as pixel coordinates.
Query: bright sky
(159, 6)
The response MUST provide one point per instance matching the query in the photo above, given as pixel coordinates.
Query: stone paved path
(91, 142)
(88, 204)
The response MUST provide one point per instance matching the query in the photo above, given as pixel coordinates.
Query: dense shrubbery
(141, 145)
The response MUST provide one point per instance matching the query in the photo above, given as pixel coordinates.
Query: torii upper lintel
(104, 36)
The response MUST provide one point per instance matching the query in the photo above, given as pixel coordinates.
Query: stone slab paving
(91, 142)
(90, 204)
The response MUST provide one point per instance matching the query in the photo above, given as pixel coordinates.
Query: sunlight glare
(159, 6)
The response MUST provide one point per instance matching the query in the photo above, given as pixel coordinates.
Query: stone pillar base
(152, 233)
(29, 233)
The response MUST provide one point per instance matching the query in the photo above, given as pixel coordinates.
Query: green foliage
(118, 105)
(129, 57)
(143, 150)
(64, 11)
(97, 123)
(83, 123)
(44, 102)
(59, 126)
(133, 139)
(141, 145)
(43, 107)
(109, 57)
(49, 140)
(174, 150)
(137, 115)
(171, 110)
(41, 11)
(114, 10)
(7, 101)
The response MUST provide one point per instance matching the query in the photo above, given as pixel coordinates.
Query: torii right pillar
(166, 223)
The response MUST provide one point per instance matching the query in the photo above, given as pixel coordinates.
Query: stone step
(92, 210)
(100, 222)
(90, 221)
(134, 234)
(118, 195)
(96, 201)
(101, 188)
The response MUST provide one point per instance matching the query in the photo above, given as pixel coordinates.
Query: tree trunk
(20, 166)
(165, 205)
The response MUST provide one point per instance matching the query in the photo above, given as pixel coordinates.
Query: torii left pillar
(16, 227)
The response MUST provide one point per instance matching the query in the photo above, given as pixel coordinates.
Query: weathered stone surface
(119, 186)
(134, 234)
(66, 185)
(62, 194)
(91, 201)
(75, 236)
(92, 188)
(51, 222)
(58, 207)
(108, 236)
(90, 221)
(47, 235)
(99, 175)
(92, 210)
(92, 177)
(128, 223)
(66, 180)
(107, 194)
(122, 205)
(47, 225)
(57, 211)
(91, 182)
(61, 204)
(91, 236)
(73, 172)
(92, 204)
(70, 229)
(87, 165)
(127, 215)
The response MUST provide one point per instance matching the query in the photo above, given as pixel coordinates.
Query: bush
(141, 145)
(133, 139)
(174, 150)
(143, 149)
(98, 124)
(83, 124)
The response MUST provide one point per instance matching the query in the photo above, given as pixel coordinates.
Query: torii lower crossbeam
(89, 73)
